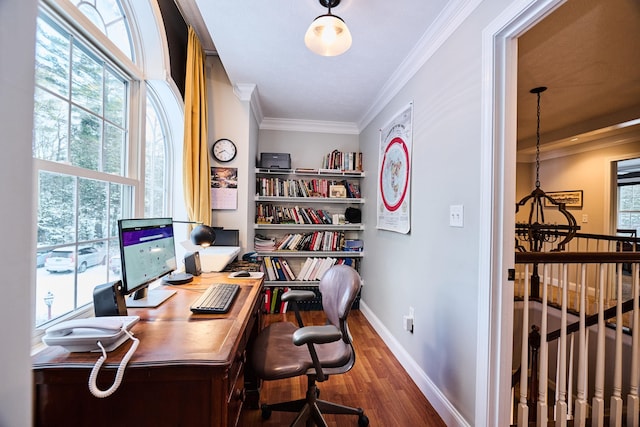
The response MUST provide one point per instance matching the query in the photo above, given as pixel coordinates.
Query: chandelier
(536, 231)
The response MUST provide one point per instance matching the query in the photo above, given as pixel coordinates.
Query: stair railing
(567, 404)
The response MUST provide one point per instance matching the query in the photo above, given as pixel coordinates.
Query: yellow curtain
(196, 169)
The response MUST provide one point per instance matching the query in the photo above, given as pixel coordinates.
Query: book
(279, 271)
(267, 300)
(287, 269)
(284, 304)
(269, 268)
(307, 275)
(353, 245)
(274, 299)
(304, 268)
(314, 269)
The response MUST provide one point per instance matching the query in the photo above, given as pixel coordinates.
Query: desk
(189, 369)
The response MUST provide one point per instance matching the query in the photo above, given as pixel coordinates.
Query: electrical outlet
(585, 218)
(456, 216)
(408, 321)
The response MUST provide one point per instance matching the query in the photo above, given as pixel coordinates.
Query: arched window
(94, 118)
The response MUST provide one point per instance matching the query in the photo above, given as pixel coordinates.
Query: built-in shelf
(323, 200)
(336, 227)
(319, 172)
(311, 254)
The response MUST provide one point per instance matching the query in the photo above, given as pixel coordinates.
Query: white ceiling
(587, 52)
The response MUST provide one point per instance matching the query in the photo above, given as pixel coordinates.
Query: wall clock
(224, 150)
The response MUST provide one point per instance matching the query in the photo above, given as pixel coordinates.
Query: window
(156, 177)
(629, 195)
(82, 144)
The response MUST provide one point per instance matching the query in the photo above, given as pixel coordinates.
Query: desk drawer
(236, 397)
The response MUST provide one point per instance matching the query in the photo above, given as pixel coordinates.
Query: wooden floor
(377, 383)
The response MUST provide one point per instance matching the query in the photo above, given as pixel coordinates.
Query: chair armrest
(298, 295)
(316, 335)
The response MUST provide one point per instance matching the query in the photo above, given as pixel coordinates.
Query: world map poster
(394, 173)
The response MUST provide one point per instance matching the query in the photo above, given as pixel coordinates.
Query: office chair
(284, 350)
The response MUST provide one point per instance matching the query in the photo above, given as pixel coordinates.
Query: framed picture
(571, 199)
(337, 191)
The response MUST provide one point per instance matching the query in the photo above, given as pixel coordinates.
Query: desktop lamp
(203, 235)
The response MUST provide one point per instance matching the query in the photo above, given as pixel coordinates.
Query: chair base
(311, 409)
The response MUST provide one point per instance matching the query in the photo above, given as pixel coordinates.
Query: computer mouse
(242, 273)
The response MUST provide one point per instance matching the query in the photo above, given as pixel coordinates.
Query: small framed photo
(337, 191)
(571, 199)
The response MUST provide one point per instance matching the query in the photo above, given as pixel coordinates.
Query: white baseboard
(440, 403)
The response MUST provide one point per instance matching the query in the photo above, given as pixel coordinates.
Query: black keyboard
(216, 299)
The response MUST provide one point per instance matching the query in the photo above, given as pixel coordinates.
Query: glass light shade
(328, 35)
(203, 235)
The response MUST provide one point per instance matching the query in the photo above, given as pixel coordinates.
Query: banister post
(535, 282)
(534, 347)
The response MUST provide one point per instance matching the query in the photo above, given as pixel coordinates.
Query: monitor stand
(148, 299)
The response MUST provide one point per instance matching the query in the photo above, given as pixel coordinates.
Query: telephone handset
(96, 334)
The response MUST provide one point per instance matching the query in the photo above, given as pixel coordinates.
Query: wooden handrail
(575, 257)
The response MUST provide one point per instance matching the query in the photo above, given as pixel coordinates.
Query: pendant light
(328, 34)
(536, 231)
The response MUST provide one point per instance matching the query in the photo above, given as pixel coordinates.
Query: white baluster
(561, 405)
(633, 402)
(570, 378)
(598, 397)
(615, 419)
(543, 408)
(523, 408)
(581, 402)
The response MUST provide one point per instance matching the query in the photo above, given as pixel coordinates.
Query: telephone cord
(119, 374)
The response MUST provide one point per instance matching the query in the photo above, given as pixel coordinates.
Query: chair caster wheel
(363, 421)
(266, 412)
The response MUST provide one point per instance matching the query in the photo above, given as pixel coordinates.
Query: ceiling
(586, 52)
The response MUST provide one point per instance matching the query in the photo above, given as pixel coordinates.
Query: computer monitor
(147, 253)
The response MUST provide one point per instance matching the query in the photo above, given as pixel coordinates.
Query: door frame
(497, 205)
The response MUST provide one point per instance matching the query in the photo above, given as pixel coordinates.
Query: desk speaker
(192, 263)
(108, 300)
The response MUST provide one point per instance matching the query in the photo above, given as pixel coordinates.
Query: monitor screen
(147, 253)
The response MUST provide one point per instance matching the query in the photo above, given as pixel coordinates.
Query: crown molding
(599, 139)
(447, 22)
(316, 126)
(248, 92)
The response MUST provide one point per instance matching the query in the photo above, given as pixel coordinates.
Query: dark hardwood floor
(377, 383)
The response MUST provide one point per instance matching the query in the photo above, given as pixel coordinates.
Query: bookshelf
(295, 208)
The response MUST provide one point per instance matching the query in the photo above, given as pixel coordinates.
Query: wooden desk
(189, 369)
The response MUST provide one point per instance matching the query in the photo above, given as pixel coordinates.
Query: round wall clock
(224, 150)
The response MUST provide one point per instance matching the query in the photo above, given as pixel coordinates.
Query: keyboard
(216, 299)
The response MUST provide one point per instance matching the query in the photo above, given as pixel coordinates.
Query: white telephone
(96, 334)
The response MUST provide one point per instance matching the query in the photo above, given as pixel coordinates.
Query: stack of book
(262, 243)
(278, 269)
(273, 300)
(344, 161)
(313, 241)
(267, 213)
(280, 187)
(314, 268)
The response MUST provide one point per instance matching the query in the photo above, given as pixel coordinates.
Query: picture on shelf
(338, 191)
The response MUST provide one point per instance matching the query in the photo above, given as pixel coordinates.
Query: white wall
(307, 149)
(231, 118)
(434, 269)
(17, 43)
